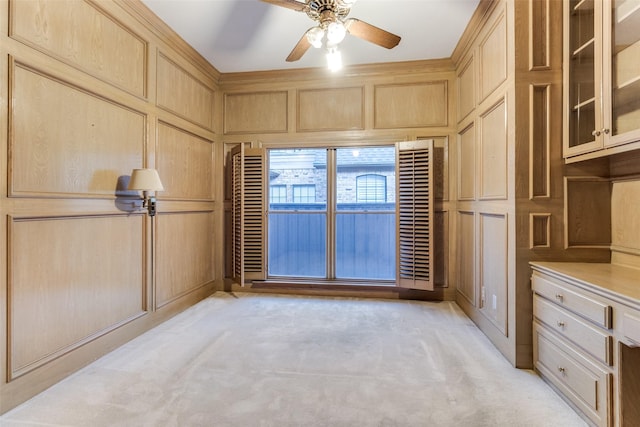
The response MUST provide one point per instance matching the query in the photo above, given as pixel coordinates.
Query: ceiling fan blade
(300, 49)
(289, 4)
(371, 33)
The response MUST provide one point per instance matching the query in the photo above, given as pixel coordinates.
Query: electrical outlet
(494, 302)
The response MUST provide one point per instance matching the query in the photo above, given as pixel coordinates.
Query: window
(371, 188)
(278, 194)
(304, 193)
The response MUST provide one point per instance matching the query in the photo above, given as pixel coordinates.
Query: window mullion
(331, 213)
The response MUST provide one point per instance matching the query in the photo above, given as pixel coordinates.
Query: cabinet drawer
(631, 328)
(584, 383)
(595, 342)
(592, 310)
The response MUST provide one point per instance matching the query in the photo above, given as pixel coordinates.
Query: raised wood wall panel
(330, 109)
(539, 43)
(411, 105)
(66, 140)
(255, 112)
(493, 58)
(539, 142)
(493, 268)
(181, 93)
(539, 230)
(466, 243)
(184, 254)
(86, 95)
(72, 279)
(185, 163)
(466, 89)
(625, 217)
(494, 153)
(587, 212)
(81, 34)
(467, 163)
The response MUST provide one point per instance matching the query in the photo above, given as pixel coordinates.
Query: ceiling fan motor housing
(327, 11)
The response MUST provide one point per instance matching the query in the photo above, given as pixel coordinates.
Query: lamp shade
(145, 180)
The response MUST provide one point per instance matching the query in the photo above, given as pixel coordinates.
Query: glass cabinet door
(625, 72)
(584, 76)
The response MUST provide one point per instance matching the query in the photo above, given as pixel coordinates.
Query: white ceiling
(250, 35)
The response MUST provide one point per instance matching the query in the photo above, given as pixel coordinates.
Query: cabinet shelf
(628, 92)
(586, 50)
(584, 104)
(583, 5)
(627, 22)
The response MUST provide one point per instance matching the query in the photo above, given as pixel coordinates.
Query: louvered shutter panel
(415, 215)
(248, 214)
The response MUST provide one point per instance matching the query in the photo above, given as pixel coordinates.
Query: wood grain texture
(539, 230)
(467, 163)
(330, 109)
(493, 153)
(587, 212)
(185, 163)
(466, 88)
(625, 217)
(184, 254)
(539, 39)
(181, 93)
(68, 141)
(493, 264)
(539, 142)
(81, 34)
(72, 279)
(255, 112)
(466, 245)
(493, 58)
(411, 105)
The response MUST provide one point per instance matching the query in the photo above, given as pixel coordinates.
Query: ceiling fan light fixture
(334, 59)
(335, 33)
(315, 36)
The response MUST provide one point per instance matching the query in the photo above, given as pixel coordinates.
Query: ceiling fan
(332, 27)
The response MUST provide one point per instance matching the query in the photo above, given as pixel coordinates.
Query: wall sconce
(146, 180)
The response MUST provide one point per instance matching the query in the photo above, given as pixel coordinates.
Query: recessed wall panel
(493, 268)
(441, 248)
(466, 282)
(587, 212)
(255, 112)
(466, 89)
(411, 105)
(66, 141)
(71, 279)
(331, 109)
(467, 163)
(80, 34)
(184, 254)
(493, 58)
(181, 93)
(493, 153)
(185, 163)
(625, 212)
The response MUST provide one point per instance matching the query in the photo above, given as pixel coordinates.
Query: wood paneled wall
(91, 90)
(516, 200)
(377, 104)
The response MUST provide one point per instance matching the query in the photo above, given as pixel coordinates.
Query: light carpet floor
(265, 360)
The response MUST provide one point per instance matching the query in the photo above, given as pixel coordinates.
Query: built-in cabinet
(601, 77)
(587, 337)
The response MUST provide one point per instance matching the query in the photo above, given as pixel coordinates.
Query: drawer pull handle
(561, 370)
(559, 297)
(560, 324)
